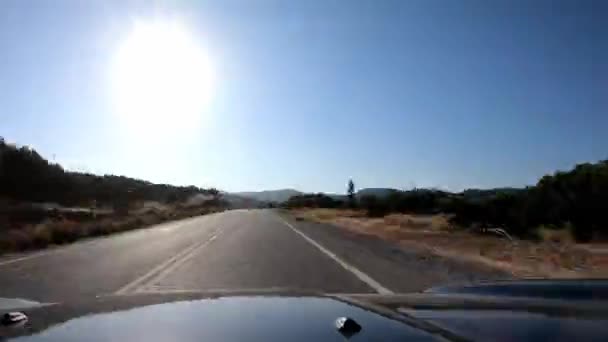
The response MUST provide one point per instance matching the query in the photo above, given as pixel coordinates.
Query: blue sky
(451, 94)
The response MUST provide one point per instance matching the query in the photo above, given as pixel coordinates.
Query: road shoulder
(394, 266)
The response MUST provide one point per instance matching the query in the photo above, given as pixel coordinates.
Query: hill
(280, 195)
(283, 195)
(26, 176)
(378, 192)
(42, 204)
(241, 202)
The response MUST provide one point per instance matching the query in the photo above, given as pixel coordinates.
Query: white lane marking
(132, 285)
(154, 274)
(129, 234)
(362, 276)
(84, 243)
(165, 272)
(23, 258)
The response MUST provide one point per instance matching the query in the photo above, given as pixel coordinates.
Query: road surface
(234, 250)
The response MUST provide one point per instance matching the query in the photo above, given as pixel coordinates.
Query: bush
(64, 232)
(312, 201)
(16, 240)
(374, 206)
(577, 199)
(41, 235)
(561, 235)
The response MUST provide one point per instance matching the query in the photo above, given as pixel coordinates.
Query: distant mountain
(269, 195)
(339, 197)
(378, 192)
(241, 202)
(284, 194)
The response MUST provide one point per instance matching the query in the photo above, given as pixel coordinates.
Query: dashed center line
(161, 271)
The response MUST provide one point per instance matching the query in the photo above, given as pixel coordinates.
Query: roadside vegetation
(575, 201)
(558, 256)
(557, 227)
(42, 204)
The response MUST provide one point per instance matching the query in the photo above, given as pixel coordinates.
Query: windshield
(330, 147)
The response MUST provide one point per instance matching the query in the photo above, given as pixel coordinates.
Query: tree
(351, 193)
(26, 176)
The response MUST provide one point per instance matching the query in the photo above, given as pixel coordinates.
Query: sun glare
(161, 78)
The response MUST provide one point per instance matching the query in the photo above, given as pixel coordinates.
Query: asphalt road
(230, 251)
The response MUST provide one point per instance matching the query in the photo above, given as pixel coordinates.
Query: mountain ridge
(279, 195)
(282, 195)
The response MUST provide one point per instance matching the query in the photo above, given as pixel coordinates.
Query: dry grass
(552, 235)
(556, 256)
(57, 232)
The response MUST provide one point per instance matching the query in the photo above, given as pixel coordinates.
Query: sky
(307, 94)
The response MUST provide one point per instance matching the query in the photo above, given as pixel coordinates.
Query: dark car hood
(309, 317)
(186, 317)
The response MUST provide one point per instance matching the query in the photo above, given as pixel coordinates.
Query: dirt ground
(554, 258)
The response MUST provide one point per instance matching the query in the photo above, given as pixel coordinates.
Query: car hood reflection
(230, 319)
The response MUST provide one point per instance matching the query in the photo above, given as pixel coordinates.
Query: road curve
(234, 250)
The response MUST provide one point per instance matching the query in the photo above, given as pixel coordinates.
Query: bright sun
(161, 78)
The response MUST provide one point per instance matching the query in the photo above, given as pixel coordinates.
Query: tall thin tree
(351, 193)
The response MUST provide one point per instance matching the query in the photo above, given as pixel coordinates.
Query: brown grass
(62, 231)
(555, 256)
(556, 235)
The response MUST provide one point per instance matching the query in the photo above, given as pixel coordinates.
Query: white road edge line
(49, 251)
(169, 264)
(362, 276)
(23, 258)
(93, 241)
